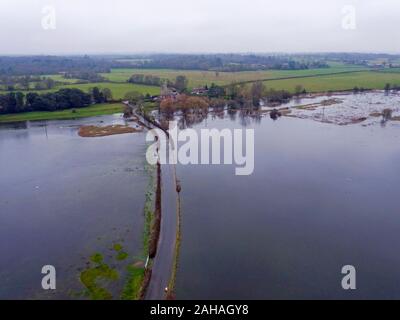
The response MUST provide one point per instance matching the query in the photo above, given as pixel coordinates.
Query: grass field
(118, 89)
(94, 110)
(367, 80)
(200, 78)
(325, 79)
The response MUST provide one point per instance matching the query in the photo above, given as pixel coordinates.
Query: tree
(107, 94)
(257, 92)
(30, 100)
(97, 95)
(181, 83)
(232, 90)
(298, 89)
(216, 91)
(50, 83)
(168, 106)
(134, 97)
(19, 102)
(62, 99)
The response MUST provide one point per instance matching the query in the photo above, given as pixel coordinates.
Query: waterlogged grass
(122, 255)
(133, 284)
(97, 277)
(99, 272)
(91, 111)
(148, 209)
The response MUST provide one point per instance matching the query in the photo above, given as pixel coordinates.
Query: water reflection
(65, 198)
(321, 196)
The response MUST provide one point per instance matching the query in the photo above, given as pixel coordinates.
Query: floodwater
(64, 198)
(322, 196)
(347, 108)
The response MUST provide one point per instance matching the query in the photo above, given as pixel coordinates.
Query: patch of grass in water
(133, 284)
(97, 258)
(148, 209)
(122, 255)
(100, 272)
(117, 247)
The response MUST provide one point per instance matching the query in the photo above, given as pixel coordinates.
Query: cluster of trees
(215, 91)
(252, 96)
(12, 83)
(40, 65)
(101, 95)
(228, 62)
(358, 89)
(45, 84)
(235, 96)
(394, 87)
(184, 103)
(180, 84)
(88, 76)
(15, 102)
(146, 79)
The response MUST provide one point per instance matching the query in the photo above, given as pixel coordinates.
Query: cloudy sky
(130, 26)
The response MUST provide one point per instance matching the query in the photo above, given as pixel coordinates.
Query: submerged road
(164, 259)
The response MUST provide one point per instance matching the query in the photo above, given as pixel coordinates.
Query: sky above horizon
(132, 26)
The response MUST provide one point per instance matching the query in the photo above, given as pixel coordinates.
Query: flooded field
(71, 202)
(321, 196)
(343, 109)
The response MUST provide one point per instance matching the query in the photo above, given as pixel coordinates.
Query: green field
(200, 78)
(94, 110)
(367, 80)
(314, 80)
(118, 89)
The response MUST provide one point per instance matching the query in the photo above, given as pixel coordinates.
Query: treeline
(147, 80)
(40, 65)
(181, 82)
(15, 102)
(234, 96)
(228, 62)
(88, 76)
(12, 83)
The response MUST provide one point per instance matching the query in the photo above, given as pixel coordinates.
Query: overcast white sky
(130, 26)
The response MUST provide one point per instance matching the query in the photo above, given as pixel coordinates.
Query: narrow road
(163, 261)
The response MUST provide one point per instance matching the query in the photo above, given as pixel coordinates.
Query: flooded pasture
(344, 109)
(322, 196)
(67, 201)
